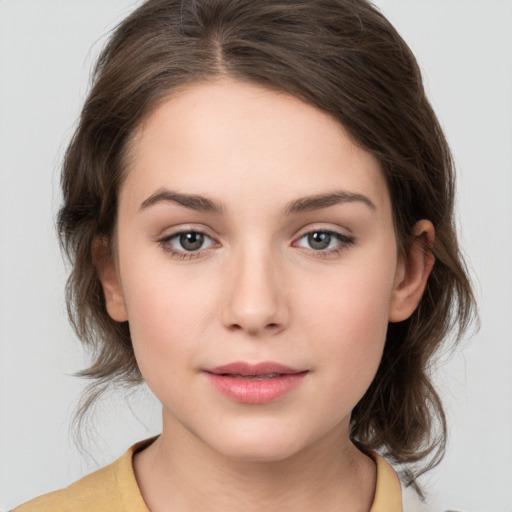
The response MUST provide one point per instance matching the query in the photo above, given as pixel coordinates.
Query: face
(257, 267)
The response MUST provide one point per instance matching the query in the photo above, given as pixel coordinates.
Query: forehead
(240, 141)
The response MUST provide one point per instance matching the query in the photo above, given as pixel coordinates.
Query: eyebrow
(304, 204)
(192, 201)
(320, 201)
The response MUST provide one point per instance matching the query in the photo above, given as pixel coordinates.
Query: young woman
(258, 207)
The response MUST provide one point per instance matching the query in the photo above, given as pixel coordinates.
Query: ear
(105, 264)
(413, 269)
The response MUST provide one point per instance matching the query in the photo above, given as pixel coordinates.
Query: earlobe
(413, 271)
(105, 265)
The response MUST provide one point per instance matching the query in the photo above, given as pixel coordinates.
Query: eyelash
(344, 240)
(165, 243)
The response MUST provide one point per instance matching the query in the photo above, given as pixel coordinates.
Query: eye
(186, 244)
(325, 241)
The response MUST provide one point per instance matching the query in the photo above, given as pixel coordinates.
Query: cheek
(354, 300)
(167, 313)
(349, 318)
(353, 328)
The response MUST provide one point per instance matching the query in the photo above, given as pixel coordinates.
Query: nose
(255, 300)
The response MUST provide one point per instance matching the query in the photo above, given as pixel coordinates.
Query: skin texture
(257, 290)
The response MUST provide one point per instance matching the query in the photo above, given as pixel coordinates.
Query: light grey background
(46, 50)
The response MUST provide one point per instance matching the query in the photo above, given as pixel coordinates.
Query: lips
(255, 383)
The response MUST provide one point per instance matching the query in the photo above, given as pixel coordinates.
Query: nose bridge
(255, 299)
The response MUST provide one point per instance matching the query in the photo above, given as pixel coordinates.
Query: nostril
(254, 330)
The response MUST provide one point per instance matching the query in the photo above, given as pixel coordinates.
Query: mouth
(255, 383)
(252, 377)
(265, 370)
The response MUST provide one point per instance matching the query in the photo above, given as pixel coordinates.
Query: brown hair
(341, 56)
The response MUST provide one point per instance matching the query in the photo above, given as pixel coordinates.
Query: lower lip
(255, 391)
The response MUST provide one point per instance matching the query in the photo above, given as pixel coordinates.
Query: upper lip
(250, 369)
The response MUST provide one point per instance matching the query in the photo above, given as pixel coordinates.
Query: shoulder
(112, 488)
(93, 492)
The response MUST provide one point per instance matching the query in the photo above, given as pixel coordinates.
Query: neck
(179, 472)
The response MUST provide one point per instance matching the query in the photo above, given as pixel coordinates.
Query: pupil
(191, 241)
(319, 240)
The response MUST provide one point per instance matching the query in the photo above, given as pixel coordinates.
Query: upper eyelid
(170, 236)
(321, 229)
(341, 237)
(335, 231)
(165, 242)
(299, 234)
(186, 229)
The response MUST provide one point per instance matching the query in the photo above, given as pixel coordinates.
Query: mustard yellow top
(114, 489)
